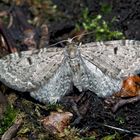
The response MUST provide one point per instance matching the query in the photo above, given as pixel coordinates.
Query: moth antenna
(69, 40)
(57, 43)
(87, 33)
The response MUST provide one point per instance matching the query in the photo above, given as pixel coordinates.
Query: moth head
(72, 50)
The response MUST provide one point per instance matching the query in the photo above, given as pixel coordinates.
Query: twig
(85, 130)
(124, 102)
(121, 129)
(9, 134)
(7, 37)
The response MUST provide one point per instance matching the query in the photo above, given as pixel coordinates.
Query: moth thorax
(75, 64)
(72, 51)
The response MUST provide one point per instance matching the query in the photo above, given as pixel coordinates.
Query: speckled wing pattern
(98, 81)
(117, 59)
(108, 63)
(49, 73)
(28, 70)
(57, 86)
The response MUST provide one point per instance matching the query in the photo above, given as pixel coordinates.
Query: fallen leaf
(57, 121)
(130, 87)
(136, 138)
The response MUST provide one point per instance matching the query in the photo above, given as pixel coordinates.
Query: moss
(115, 136)
(102, 30)
(8, 119)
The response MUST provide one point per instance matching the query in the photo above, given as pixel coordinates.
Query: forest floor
(50, 22)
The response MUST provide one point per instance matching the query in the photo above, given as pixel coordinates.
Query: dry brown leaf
(130, 87)
(136, 138)
(57, 121)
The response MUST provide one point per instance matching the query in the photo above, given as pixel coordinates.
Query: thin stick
(121, 129)
(124, 102)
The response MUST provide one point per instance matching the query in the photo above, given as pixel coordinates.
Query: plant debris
(56, 121)
(34, 24)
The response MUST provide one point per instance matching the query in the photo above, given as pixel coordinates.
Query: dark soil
(95, 113)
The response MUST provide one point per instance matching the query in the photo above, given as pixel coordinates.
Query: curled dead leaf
(130, 87)
(56, 121)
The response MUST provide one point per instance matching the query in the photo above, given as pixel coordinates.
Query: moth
(50, 73)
